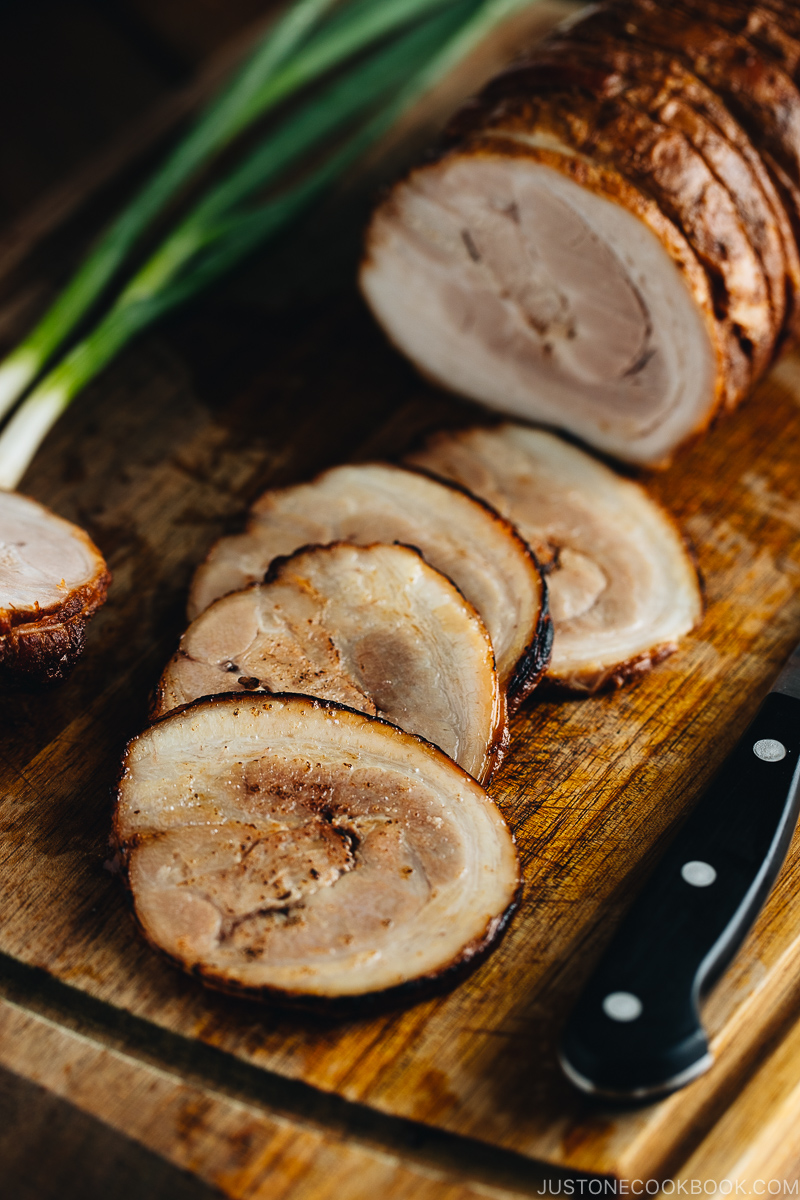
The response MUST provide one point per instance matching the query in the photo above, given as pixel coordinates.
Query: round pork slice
(52, 579)
(520, 272)
(372, 627)
(623, 590)
(290, 846)
(460, 536)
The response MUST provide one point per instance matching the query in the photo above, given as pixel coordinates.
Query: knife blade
(636, 1033)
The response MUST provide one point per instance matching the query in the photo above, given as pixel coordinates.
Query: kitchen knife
(635, 1033)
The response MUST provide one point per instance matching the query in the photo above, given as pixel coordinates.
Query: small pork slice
(623, 590)
(290, 847)
(52, 579)
(372, 627)
(460, 536)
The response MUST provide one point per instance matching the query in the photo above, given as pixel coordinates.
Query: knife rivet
(698, 874)
(622, 1006)
(769, 750)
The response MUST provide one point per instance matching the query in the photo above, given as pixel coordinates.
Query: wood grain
(241, 1149)
(589, 787)
(266, 385)
(758, 1137)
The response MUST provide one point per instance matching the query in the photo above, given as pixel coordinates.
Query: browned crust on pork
(41, 652)
(658, 80)
(661, 86)
(40, 645)
(787, 13)
(768, 31)
(607, 679)
(762, 96)
(468, 959)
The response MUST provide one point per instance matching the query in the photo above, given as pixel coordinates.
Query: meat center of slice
(505, 280)
(311, 860)
(541, 257)
(574, 585)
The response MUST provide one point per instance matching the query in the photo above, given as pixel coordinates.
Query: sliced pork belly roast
(662, 86)
(749, 80)
(663, 161)
(623, 590)
(460, 536)
(597, 246)
(52, 579)
(524, 274)
(373, 627)
(291, 846)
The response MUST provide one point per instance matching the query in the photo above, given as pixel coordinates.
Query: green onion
(275, 72)
(226, 224)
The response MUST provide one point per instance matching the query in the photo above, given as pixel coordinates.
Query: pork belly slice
(372, 627)
(460, 536)
(287, 846)
(623, 590)
(524, 275)
(52, 579)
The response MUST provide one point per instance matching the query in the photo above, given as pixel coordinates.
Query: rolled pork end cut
(292, 848)
(52, 579)
(623, 589)
(374, 628)
(523, 275)
(480, 551)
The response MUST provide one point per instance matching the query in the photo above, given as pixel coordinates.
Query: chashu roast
(52, 579)
(290, 847)
(661, 85)
(457, 534)
(372, 627)
(623, 590)
(755, 85)
(583, 253)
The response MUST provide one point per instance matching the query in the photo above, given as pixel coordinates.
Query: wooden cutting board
(162, 455)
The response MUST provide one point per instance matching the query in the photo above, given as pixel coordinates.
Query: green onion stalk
(279, 68)
(413, 44)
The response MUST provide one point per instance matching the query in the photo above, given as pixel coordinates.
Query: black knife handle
(636, 1032)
